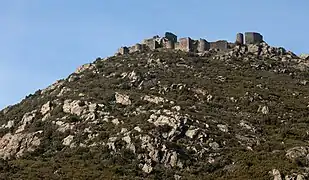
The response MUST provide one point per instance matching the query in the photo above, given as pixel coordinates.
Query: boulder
(46, 108)
(276, 174)
(147, 168)
(153, 99)
(122, 99)
(74, 107)
(68, 140)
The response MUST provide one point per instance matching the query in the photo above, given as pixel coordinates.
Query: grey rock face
(27, 118)
(84, 67)
(46, 108)
(74, 107)
(17, 144)
(178, 112)
(8, 125)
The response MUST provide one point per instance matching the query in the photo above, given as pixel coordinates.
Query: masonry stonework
(123, 50)
(171, 37)
(185, 44)
(203, 46)
(169, 41)
(221, 45)
(239, 39)
(151, 43)
(138, 47)
(253, 38)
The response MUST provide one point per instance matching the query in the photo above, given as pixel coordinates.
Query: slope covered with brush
(241, 114)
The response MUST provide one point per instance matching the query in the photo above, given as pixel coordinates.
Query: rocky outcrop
(46, 108)
(84, 68)
(84, 109)
(122, 99)
(75, 107)
(154, 99)
(170, 115)
(276, 174)
(68, 140)
(19, 143)
(8, 125)
(27, 118)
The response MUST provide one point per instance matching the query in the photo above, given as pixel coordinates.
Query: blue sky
(45, 40)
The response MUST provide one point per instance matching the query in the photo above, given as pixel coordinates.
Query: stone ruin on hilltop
(169, 41)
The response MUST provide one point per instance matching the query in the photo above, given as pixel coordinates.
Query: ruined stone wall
(194, 46)
(239, 39)
(221, 45)
(136, 47)
(171, 37)
(185, 44)
(151, 43)
(203, 46)
(232, 45)
(169, 41)
(123, 50)
(253, 38)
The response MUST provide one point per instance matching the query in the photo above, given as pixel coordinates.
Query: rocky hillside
(163, 114)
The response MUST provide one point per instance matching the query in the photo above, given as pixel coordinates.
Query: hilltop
(240, 112)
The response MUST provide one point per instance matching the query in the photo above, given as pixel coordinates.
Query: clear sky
(45, 40)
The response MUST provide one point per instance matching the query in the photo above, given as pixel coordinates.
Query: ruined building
(169, 41)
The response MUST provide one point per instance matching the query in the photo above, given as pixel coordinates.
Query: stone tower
(171, 37)
(185, 44)
(203, 45)
(123, 50)
(253, 38)
(239, 39)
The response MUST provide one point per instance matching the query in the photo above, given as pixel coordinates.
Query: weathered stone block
(239, 39)
(221, 45)
(253, 38)
(203, 45)
(185, 44)
(170, 36)
(151, 43)
(194, 46)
